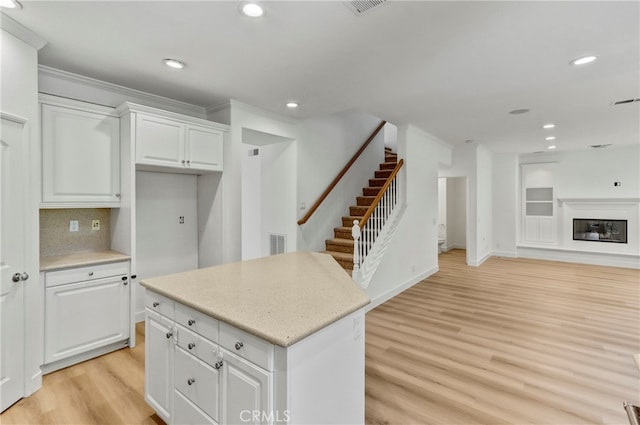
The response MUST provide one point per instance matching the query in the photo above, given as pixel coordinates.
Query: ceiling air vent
(606, 145)
(623, 102)
(361, 6)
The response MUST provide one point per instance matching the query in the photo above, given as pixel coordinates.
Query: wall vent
(254, 152)
(359, 7)
(277, 244)
(623, 102)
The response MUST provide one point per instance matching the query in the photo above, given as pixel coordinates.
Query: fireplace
(599, 230)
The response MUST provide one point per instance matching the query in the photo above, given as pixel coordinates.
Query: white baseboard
(400, 288)
(478, 263)
(506, 254)
(628, 261)
(33, 384)
(140, 316)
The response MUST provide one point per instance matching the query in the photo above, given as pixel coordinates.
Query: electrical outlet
(73, 226)
(95, 224)
(181, 219)
(617, 184)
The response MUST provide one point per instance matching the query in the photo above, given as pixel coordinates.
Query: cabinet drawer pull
(90, 273)
(117, 195)
(239, 345)
(191, 381)
(156, 303)
(191, 322)
(169, 335)
(191, 346)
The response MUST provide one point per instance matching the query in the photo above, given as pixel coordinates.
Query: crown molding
(113, 94)
(20, 31)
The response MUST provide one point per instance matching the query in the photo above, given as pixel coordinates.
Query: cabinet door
(80, 156)
(84, 316)
(204, 148)
(187, 413)
(159, 141)
(246, 392)
(158, 357)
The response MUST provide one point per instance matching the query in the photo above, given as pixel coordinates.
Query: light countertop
(281, 299)
(65, 261)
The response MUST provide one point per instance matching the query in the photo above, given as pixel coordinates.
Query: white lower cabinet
(158, 356)
(86, 308)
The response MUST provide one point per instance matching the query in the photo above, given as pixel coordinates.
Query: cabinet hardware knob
(191, 322)
(125, 283)
(190, 381)
(191, 346)
(183, 161)
(124, 278)
(133, 276)
(188, 161)
(169, 335)
(156, 303)
(218, 365)
(24, 276)
(16, 277)
(239, 345)
(117, 195)
(90, 273)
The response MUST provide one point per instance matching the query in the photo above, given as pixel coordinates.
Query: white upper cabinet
(80, 154)
(172, 142)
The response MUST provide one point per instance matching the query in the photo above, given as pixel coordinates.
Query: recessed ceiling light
(174, 63)
(550, 138)
(10, 4)
(292, 105)
(548, 126)
(583, 60)
(551, 147)
(253, 10)
(519, 111)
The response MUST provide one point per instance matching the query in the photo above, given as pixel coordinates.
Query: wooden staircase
(341, 246)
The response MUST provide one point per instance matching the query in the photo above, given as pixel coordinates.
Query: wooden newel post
(355, 234)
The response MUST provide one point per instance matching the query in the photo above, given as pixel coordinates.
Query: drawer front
(197, 322)
(81, 274)
(247, 346)
(197, 345)
(158, 303)
(187, 413)
(198, 381)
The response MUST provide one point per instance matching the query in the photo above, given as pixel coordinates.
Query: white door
(158, 358)
(13, 184)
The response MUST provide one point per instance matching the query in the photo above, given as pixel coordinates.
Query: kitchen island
(273, 340)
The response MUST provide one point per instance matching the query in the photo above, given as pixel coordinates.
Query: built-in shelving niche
(599, 230)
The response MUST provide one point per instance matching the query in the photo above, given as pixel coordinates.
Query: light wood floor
(513, 341)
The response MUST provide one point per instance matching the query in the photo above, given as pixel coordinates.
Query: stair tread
(340, 255)
(340, 241)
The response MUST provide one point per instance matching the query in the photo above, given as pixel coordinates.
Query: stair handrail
(380, 194)
(344, 170)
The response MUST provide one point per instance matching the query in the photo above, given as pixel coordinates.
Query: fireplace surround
(599, 230)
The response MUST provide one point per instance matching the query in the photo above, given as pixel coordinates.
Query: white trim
(133, 107)
(212, 109)
(375, 302)
(18, 30)
(14, 118)
(137, 96)
(479, 262)
(505, 254)
(629, 261)
(76, 104)
(140, 316)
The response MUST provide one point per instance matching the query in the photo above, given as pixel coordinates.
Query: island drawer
(82, 274)
(247, 346)
(197, 322)
(185, 412)
(200, 347)
(198, 382)
(159, 303)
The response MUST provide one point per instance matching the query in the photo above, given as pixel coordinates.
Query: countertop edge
(83, 259)
(256, 332)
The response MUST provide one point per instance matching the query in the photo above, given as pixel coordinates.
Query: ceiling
(454, 69)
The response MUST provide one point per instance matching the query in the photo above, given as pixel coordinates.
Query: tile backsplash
(56, 239)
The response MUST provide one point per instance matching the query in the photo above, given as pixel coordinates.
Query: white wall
(244, 117)
(326, 145)
(484, 204)
(19, 84)
(413, 252)
(442, 208)
(456, 213)
(163, 245)
(505, 204)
